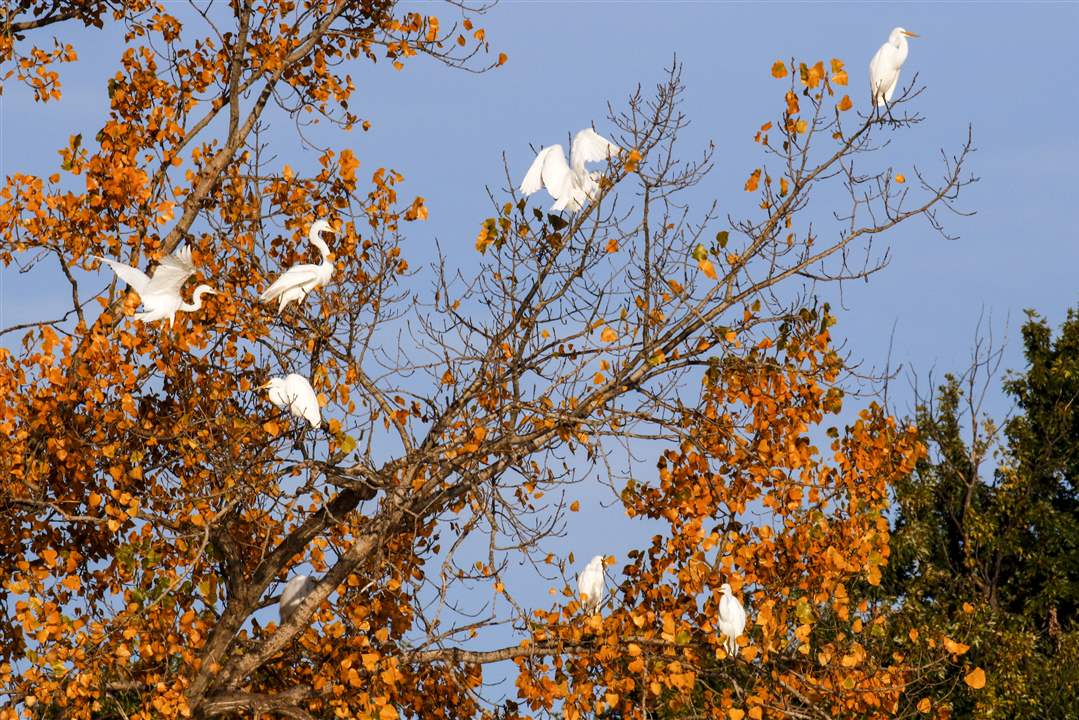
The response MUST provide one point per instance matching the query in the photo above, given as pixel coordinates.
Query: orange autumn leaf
(845, 103)
(608, 335)
(900, 178)
(754, 180)
(708, 268)
(975, 678)
(779, 69)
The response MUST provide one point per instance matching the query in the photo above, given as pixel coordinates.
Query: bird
(590, 584)
(295, 591)
(160, 293)
(885, 65)
(294, 393)
(570, 184)
(732, 619)
(298, 280)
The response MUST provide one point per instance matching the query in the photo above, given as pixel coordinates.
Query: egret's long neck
(323, 249)
(903, 49)
(196, 298)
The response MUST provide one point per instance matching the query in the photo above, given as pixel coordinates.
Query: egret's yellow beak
(908, 33)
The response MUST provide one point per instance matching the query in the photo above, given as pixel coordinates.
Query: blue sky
(997, 67)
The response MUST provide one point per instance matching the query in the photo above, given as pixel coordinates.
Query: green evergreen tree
(990, 556)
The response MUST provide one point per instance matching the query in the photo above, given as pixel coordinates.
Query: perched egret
(570, 184)
(885, 65)
(299, 280)
(732, 619)
(295, 591)
(294, 393)
(590, 584)
(160, 294)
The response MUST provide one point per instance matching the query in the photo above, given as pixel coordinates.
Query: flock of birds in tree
(571, 185)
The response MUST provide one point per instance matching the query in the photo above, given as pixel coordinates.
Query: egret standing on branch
(299, 280)
(294, 393)
(885, 65)
(571, 185)
(295, 591)
(160, 294)
(590, 584)
(732, 620)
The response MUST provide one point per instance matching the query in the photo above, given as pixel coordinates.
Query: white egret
(590, 585)
(295, 394)
(885, 65)
(732, 619)
(160, 294)
(299, 280)
(570, 184)
(295, 591)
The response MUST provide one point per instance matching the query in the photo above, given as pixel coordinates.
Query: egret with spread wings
(160, 292)
(570, 184)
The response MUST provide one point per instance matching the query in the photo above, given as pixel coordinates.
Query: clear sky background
(1005, 69)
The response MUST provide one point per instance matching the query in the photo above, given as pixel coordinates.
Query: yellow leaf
(955, 648)
(608, 335)
(575, 506)
(736, 714)
(447, 378)
(925, 705)
(968, 608)
(779, 69)
(755, 712)
(754, 181)
(708, 268)
(801, 126)
(792, 103)
(975, 678)
(633, 161)
(784, 186)
(900, 178)
(598, 379)
(845, 104)
(840, 78)
(271, 427)
(612, 246)
(837, 65)
(502, 58)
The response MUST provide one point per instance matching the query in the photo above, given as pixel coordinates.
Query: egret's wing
(883, 74)
(303, 398)
(590, 146)
(293, 277)
(134, 277)
(172, 272)
(549, 170)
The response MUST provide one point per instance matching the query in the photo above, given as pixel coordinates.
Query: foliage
(155, 502)
(995, 559)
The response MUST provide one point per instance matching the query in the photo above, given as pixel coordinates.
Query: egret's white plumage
(732, 619)
(295, 394)
(590, 585)
(570, 184)
(295, 591)
(160, 293)
(298, 280)
(885, 65)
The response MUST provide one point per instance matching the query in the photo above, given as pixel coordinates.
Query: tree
(155, 501)
(995, 558)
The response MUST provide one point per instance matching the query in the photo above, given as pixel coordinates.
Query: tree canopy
(156, 503)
